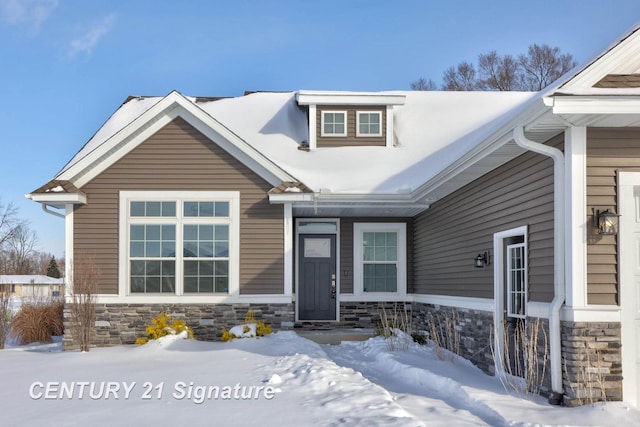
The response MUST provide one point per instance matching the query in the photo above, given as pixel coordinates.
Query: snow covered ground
(279, 380)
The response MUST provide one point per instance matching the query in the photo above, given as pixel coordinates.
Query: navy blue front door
(317, 277)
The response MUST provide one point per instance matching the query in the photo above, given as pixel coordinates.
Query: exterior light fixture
(606, 222)
(481, 260)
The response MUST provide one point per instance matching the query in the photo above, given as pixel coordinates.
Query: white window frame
(359, 228)
(358, 133)
(322, 121)
(510, 290)
(233, 220)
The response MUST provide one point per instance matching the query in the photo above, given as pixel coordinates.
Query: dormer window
(334, 123)
(350, 119)
(369, 123)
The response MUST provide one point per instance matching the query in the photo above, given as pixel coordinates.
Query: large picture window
(379, 258)
(182, 246)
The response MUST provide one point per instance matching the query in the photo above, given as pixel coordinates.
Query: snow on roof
(27, 279)
(431, 130)
(124, 115)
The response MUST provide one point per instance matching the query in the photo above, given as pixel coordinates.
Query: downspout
(49, 211)
(555, 342)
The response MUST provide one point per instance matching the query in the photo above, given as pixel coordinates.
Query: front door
(317, 277)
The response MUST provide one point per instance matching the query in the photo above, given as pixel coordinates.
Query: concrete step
(336, 336)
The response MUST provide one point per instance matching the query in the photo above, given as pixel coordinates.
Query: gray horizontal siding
(449, 235)
(180, 158)
(608, 152)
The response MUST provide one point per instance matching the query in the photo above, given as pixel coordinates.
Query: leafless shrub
(82, 303)
(5, 317)
(444, 334)
(396, 327)
(524, 358)
(38, 321)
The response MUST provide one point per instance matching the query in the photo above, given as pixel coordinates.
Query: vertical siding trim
(313, 130)
(389, 136)
(288, 249)
(68, 248)
(575, 147)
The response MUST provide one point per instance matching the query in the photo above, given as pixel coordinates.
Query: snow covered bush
(249, 329)
(162, 326)
(38, 321)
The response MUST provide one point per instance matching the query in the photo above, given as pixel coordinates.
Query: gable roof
(139, 118)
(432, 127)
(442, 140)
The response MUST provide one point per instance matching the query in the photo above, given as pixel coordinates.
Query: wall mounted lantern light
(482, 259)
(606, 222)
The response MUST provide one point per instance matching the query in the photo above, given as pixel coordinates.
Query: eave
(58, 200)
(350, 205)
(596, 110)
(348, 98)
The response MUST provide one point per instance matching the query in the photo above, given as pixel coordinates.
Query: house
(314, 208)
(31, 285)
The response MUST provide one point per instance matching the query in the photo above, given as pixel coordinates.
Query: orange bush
(38, 322)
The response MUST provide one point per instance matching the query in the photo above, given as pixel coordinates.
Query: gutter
(45, 208)
(559, 293)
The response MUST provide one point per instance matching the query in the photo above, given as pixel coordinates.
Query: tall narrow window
(206, 258)
(334, 123)
(152, 247)
(516, 280)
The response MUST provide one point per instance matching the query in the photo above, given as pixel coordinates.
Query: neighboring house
(314, 208)
(31, 285)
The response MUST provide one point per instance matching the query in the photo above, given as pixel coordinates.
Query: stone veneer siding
(592, 362)
(118, 324)
(474, 328)
(358, 315)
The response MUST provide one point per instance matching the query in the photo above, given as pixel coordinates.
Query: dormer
(350, 119)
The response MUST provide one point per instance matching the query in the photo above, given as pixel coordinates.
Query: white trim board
(629, 242)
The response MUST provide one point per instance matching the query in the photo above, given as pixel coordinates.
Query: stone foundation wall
(358, 315)
(473, 331)
(118, 324)
(592, 362)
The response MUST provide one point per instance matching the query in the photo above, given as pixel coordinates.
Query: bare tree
(9, 222)
(423, 84)
(83, 301)
(498, 72)
(543, 65)
(533, 71)
(20, 252)
(462, 77)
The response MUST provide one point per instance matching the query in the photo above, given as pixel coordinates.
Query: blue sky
(66, 65)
